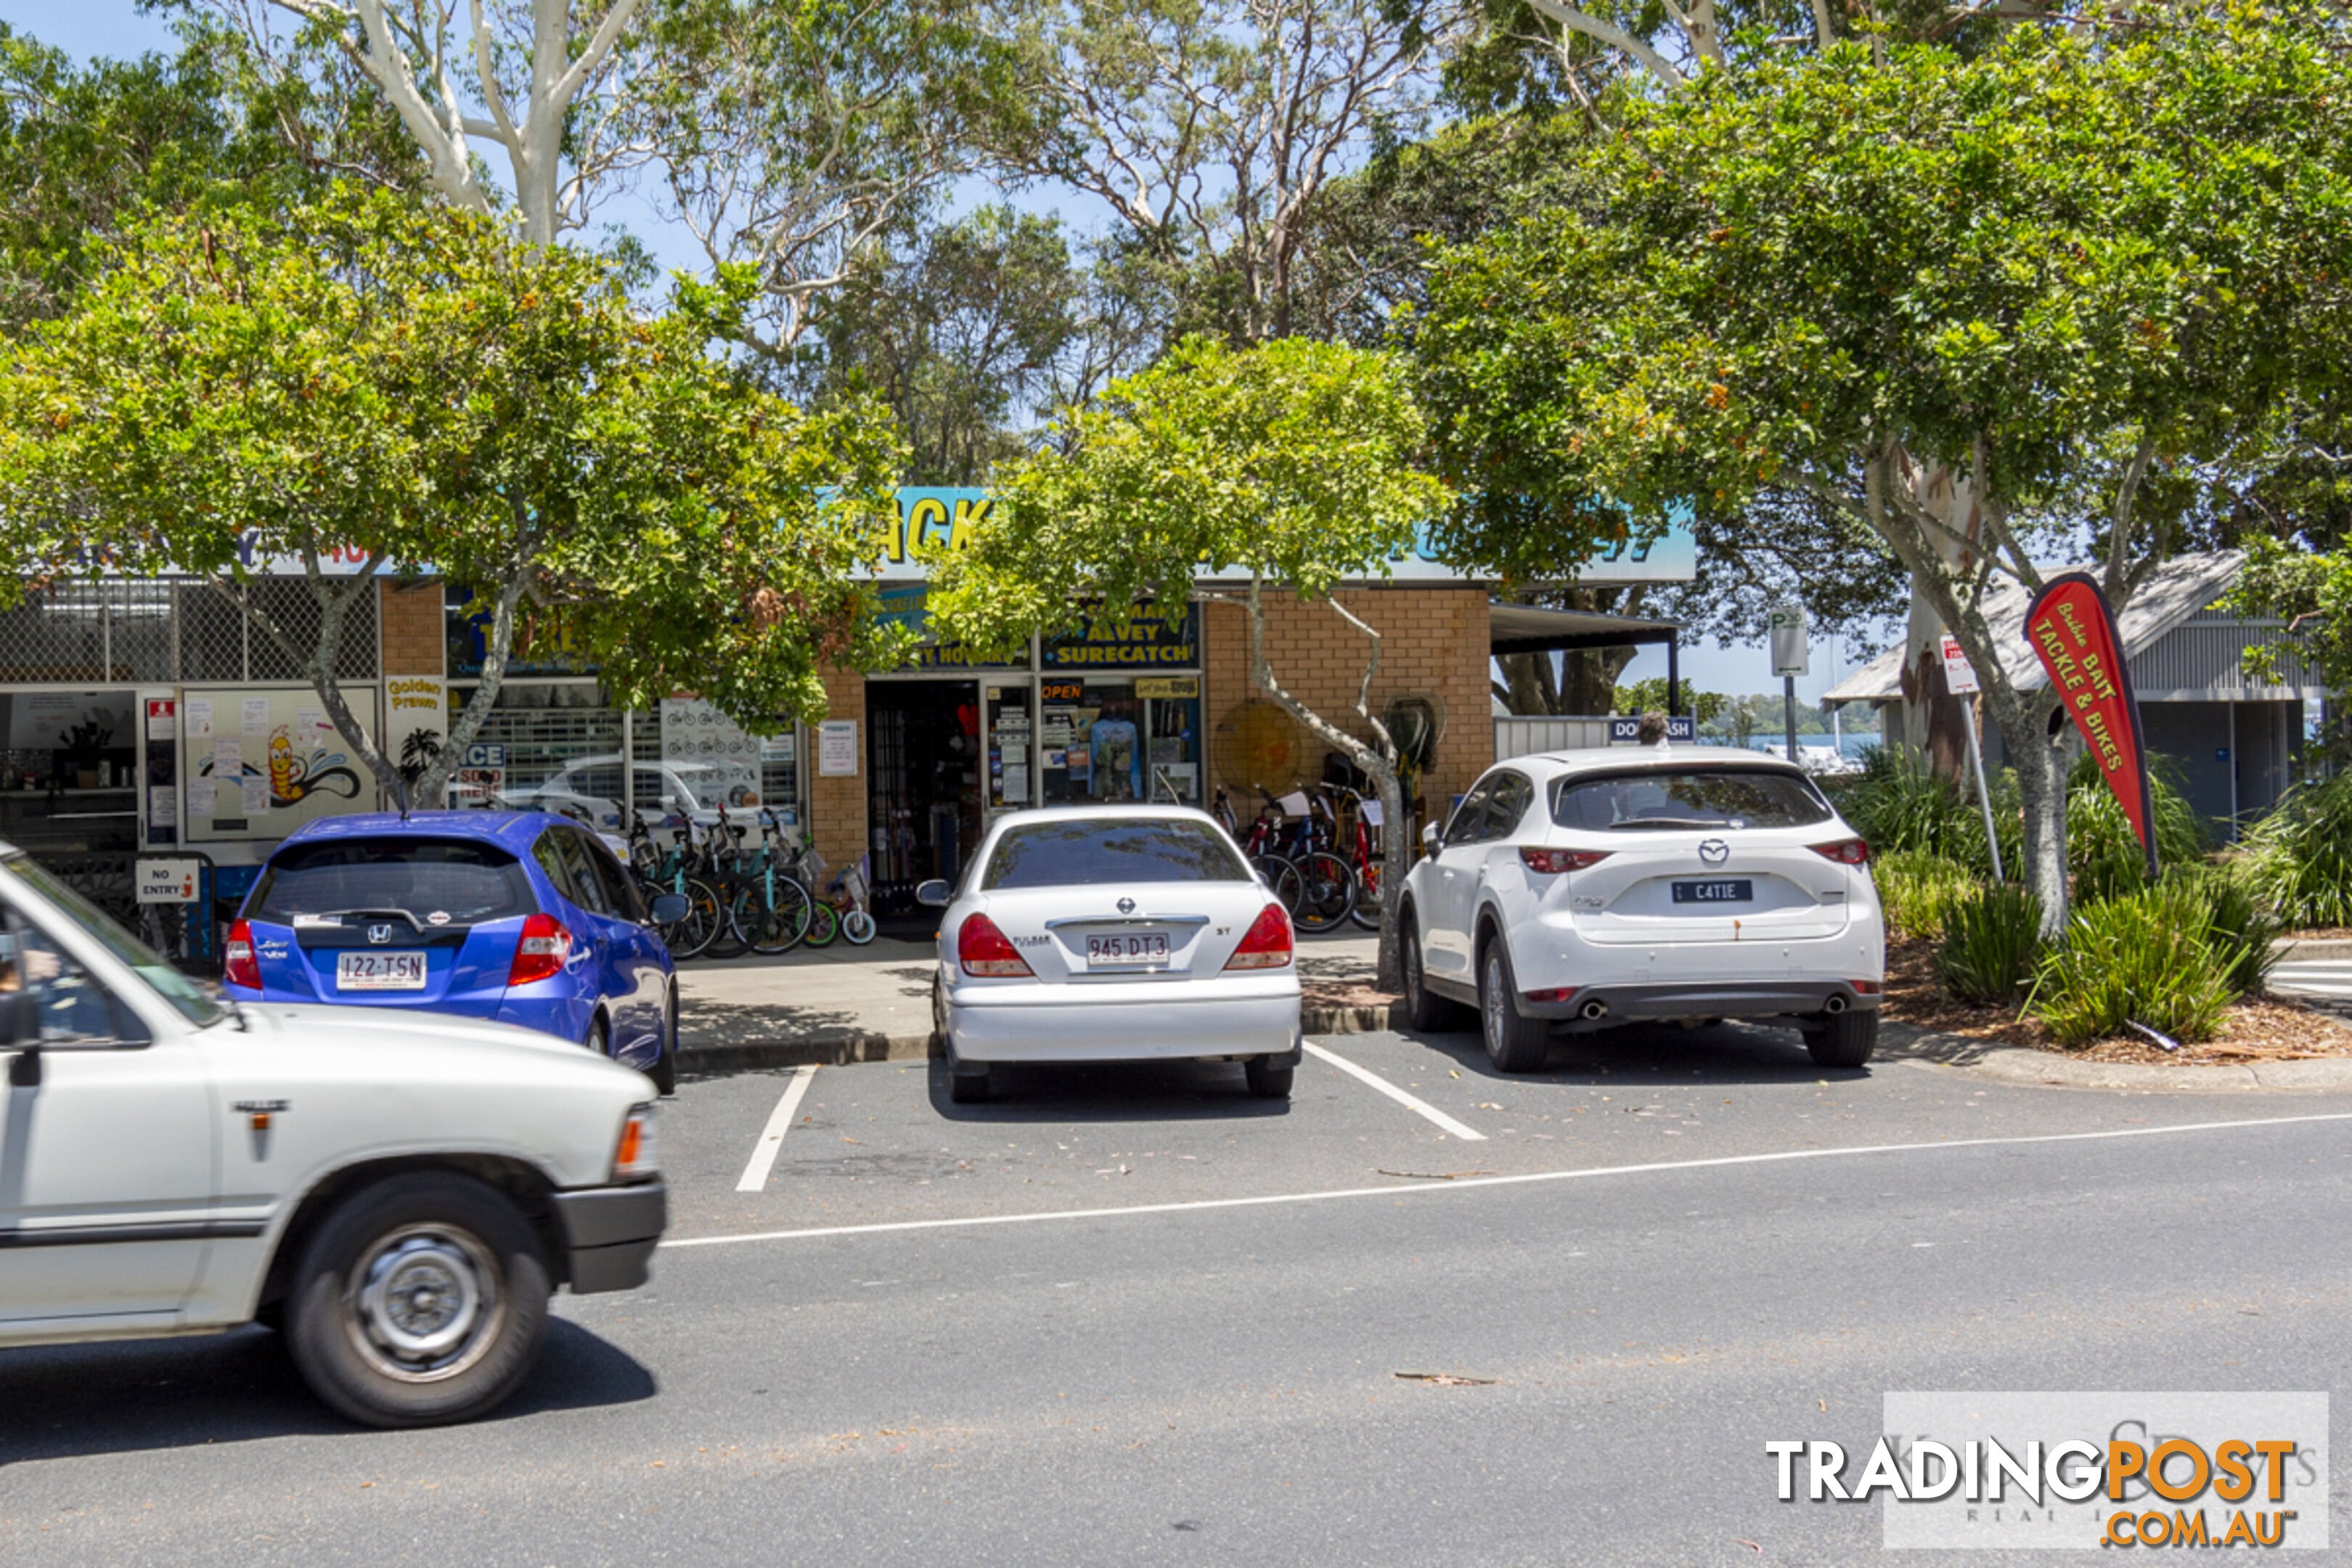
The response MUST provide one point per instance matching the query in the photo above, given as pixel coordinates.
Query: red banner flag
(2074, 632)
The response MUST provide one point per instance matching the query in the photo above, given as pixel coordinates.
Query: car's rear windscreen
(1088, 853)
(462, 881)
(1662, 800)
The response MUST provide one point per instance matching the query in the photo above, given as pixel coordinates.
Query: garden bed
(2257, 1028)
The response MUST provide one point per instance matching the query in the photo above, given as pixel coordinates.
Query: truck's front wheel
(420, 1300)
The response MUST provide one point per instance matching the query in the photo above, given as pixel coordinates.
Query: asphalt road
(1137, 1317)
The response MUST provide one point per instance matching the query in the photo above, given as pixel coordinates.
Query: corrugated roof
(2176, 591)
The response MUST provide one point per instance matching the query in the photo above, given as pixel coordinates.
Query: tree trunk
(1527, 683)
(1934, 721)
(1379, 765)
(495, 648)
(318, 660)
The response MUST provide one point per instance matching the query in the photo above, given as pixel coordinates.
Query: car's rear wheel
(1268, 1083)
(1513, 1044)
(600, 1037)
(665, 1067)
(1424, 1009)
(421, 1300)
(1847, 1040)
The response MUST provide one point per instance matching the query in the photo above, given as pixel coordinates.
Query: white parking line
(1421, 1108)
(772, 1137)
(1587, 1173)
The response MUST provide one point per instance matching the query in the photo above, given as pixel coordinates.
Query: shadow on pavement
(1655, 1054)
(59, 1402)
(1109, 1092)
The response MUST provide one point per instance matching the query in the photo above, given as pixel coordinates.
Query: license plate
(379, 972)
(1147, 947)
(1739, 891)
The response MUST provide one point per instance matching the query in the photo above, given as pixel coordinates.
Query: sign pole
(1792, 653)
(1960, 680)
(1789, 711)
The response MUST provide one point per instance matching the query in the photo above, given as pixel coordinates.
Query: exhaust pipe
(1592, 1010)
(1834, 1005)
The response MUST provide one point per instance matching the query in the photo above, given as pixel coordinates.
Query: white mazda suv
(1582, 890)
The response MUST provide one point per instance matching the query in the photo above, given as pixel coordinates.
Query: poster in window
(714, 757)
(247, 785)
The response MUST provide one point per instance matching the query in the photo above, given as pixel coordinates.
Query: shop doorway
(928, 769)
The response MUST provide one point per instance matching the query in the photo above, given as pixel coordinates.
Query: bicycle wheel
(825, 924)
(692, 937)
(1366, 911)
(1282, 876)
(778, 928)
(730, 939)
(1326, 892)
(858, 927)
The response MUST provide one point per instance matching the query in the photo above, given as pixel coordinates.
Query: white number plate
(1142, 947)
(379, 972)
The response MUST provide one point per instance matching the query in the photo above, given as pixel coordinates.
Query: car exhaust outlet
(1833, 1007)
(1592, 1010)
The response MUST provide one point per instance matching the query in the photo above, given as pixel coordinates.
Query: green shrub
(1903, 807)
(1992, 945)
(2103, 852)
(2141, 958)
(2300, 856)
(2237, 929)
(1916, 890)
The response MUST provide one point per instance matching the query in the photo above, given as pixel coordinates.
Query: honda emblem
(379, 935)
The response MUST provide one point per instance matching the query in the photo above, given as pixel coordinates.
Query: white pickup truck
(399, 1195)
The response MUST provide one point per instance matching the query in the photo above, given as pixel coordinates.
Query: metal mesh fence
(81, 633)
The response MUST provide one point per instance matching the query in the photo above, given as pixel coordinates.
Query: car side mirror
(1430, 837)
(935, 894)
(668, 908)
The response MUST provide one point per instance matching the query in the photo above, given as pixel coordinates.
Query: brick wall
(415, 641)
(837, 805)
(1432, 640)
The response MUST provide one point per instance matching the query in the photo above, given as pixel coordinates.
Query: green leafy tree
(1641, 697)
(1291, 464)
(2046, 271)
(411, 387)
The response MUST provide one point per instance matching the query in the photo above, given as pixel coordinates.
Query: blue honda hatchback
(510, 917)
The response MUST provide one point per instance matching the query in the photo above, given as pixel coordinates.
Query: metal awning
(1531, 628)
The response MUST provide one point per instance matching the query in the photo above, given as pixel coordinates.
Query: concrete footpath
(844, 1004)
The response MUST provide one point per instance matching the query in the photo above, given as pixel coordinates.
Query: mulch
(2255, 1029)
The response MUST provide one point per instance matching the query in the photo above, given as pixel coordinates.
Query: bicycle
(1363, 859)
(770, 908)
(1316, 886)
(657, 872)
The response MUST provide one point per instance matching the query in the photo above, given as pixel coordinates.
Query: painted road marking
(1460, 1183)
(772, 1137)
(2330, 977)
(1420, 1108)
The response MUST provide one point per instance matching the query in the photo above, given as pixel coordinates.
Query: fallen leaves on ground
(1444, 1379)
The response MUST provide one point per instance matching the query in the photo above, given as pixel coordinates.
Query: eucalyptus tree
(2062, 267)
(408, 385)
(1291, 464)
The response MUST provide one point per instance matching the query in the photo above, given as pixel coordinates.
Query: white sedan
(1584, 889)
(399, 1194)
(1113, 933)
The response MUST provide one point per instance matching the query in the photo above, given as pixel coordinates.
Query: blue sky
(90, 28)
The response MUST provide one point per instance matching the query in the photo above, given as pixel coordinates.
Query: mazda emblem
(1714, 851)
(379, 935)
(1126, 906)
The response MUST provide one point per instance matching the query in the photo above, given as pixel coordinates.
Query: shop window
(1113, 739)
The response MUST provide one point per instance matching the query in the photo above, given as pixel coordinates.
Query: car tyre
(420, 1300)
(1514, 1043)
(665, 1067)
(1848, 1039)
(1425, 1011)
(600, 1037)
(1268, 1083)
(966, 1088)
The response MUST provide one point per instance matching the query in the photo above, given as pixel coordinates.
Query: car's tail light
(241, 967)
(1552, 993)
(1846, 852)
(542, 953)
(1266, 945)
(634, 1158)
(982, 949)
(1864, 987)
(1551, 862)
